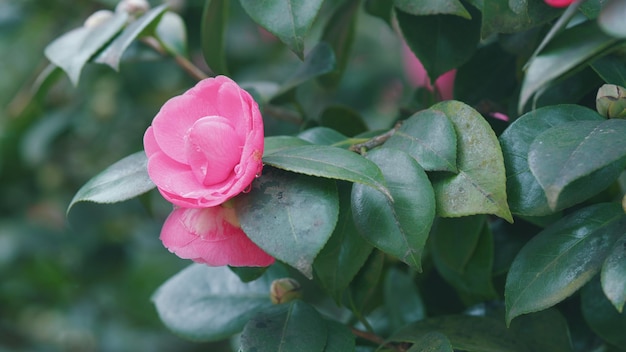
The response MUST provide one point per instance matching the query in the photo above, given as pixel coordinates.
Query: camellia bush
(378, 175)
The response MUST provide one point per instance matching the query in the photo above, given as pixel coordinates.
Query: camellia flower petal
(211, 236)
(205, 146)
(559, 3)
(418, 76)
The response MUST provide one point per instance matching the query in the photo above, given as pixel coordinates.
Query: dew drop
(248, 189)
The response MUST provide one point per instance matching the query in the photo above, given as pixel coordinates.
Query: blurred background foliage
(83, 283)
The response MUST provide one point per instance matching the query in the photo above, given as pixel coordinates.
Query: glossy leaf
(172, 34)
(400, 287)
(295, 326)
(480, 185)
(399, 228)
(454, 240)
(562, 258)
(525, 195)
(320, 60)
(613, 276)
(466, 333)
(441, 42)
(431, 342)
(121, 181)
(322, 136)
(329, 162)
(589, 155)
(611, 18)
(73, 49)
(112, 54)
(277, 143)
(212, 34)
(601, 316)
(343, 119)
(566, 52)
(474, 283)
(290, 216)
(432, 7)
(289, 20)
(500, 17)
(429, 137)
(344, 253)
(211, 303)
(339, 33)
(340, 338)
(546, 330)
(365, 287)
(380, 8)
(612, 69)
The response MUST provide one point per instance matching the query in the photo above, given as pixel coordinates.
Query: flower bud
(285, 290)
(611, 101)
(134, 8)
(97, 18)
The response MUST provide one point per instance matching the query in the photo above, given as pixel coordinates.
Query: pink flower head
(559, 3)
(211, 236)
(418, 76)
(205, 146)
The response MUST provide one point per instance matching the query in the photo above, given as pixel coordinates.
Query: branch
(376, 141)
(376, 339)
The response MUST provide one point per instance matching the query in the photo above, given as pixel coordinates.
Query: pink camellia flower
(211, 236)
(418, 76)
(559, 3)
(205, 146)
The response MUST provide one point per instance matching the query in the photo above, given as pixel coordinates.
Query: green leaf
(399, 228)
(380, 8)
(601, 316)
(569, 50)
(611, 18)
(500, 17)
(403, 303)
(290, 216)
(525, 195)
(365, 287)
(295, 326)
(211, 303)
(322, 136)
(454, 241)
(611, 69)
(429, 137)
(432, 7)
(289, 20)
(112, 53)
(431, 342)
(473, 283)
(613, 275)
(467, 333)
(172, 34)
(480, 185)
(586, 155)
(339, 33)
(248, 273)
(340, 338)
(562, 258)
(277, 143)
(345, 252)
(546, 330)
(441, 42)
(73, 49)
(212, 35)
(121, 181)
(343, 119)
(320, 60)
(329, 162)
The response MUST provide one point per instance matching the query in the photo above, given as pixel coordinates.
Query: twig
(375, 141)
(376, 339)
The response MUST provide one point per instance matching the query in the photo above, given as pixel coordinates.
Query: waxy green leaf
(289, 20)
(524, 193)
(429, 137)
(454, 240)
(329, 162)
(112, 54)
(322, 136)
(613, 275)
(290, 216)
(211, 303)
(585, 155)
(562, 258)
(121, 181)
(320, 60)
(479, 187)
(295, 326)
(432, 7)
(601, 316)
(277, 143)
(399, 228)
(340, 338)
(507, 16)
(400, 286)
(75, 48)
(213, 33)
(612, 69)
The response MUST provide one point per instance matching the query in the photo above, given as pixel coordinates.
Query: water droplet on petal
(248, 189)
(237, 169)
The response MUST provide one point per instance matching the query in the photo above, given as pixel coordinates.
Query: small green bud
(611, 101)
(285, 290)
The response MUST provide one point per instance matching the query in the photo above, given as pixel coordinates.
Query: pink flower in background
(211, 236)
(205, 146)
(559, 3)
(418, 76)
